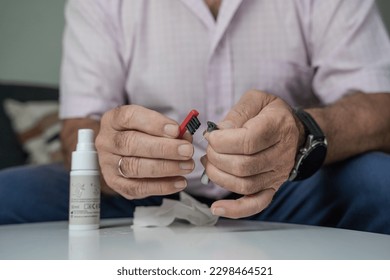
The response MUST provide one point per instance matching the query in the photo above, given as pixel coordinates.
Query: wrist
(312, 148)
(301, 132)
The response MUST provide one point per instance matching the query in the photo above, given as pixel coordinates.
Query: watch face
(312, 161)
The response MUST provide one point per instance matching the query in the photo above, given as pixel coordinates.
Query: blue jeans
(354, 194)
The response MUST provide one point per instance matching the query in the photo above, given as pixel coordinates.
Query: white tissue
(187, 208)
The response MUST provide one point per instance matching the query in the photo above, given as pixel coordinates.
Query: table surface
(228, 239)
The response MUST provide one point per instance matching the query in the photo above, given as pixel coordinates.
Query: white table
(229, 239)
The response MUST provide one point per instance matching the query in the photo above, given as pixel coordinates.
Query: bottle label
(84, 206)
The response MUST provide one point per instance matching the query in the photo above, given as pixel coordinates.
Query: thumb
(249, 106)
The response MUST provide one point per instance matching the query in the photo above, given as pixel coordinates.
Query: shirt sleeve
(92, 72)
(350, 49)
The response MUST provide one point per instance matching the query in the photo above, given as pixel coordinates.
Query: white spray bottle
(84, 200)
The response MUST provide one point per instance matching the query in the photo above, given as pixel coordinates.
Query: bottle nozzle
(85, 140)
(85, 156)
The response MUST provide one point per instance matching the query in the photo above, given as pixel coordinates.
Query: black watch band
(311, 127)
(312, 155)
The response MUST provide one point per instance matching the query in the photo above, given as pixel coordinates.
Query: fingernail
(171, 130)
(186, 150)
(186, 165)
(218, 211)
(181, 184)
(204, 179)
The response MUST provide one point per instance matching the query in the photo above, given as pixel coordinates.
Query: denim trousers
(353, 194)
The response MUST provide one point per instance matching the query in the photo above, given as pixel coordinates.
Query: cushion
(37, 127)
(12, 152)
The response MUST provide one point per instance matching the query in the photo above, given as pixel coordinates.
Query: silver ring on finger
(120, 169)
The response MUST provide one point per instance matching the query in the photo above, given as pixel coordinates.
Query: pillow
(38, 127)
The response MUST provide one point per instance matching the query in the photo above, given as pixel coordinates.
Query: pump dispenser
(84, 200)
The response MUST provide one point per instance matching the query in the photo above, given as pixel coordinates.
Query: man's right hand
(154, 161)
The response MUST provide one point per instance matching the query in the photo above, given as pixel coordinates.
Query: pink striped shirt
(172, 56)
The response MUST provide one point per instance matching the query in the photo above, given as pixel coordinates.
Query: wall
(30, 39)
(384, 7)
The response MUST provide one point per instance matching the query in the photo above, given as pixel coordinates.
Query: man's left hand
(252, 153)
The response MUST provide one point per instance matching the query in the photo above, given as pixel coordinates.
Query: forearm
(355, 124)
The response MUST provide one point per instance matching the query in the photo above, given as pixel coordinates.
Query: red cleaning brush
(191, 123)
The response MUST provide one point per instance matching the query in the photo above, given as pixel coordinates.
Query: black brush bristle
(193, 125)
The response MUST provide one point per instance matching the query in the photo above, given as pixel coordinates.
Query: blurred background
(30, 40)
(30, 56)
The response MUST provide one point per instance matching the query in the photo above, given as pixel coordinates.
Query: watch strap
(312, 155)
(310, 125)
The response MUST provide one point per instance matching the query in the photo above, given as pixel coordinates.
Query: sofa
(21, 107)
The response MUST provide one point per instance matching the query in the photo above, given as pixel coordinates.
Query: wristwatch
(312, 155)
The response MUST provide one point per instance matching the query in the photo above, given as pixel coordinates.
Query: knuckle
(245, 186)
(160, 188)
(116, 111)
(161, 149)
(133, 166)
(158, 169)
(99, 143)
(239, 168)
(134, 189)
(116, 184)
(121, 117)
(128, 192)
(137, 189)
(164, 166)
(131, 112)
(259, 205)
(106, 116)
(141, 188)
(118, 141)
(131, 142)
(242, 112)
(249, 167)
(248, 144)
(126, 141)
(263, 182)
(253, 93)
(113, 114)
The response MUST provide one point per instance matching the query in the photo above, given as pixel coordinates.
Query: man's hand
(154, 161)
(253, 153)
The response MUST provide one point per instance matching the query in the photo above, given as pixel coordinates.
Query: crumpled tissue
(187, 208)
